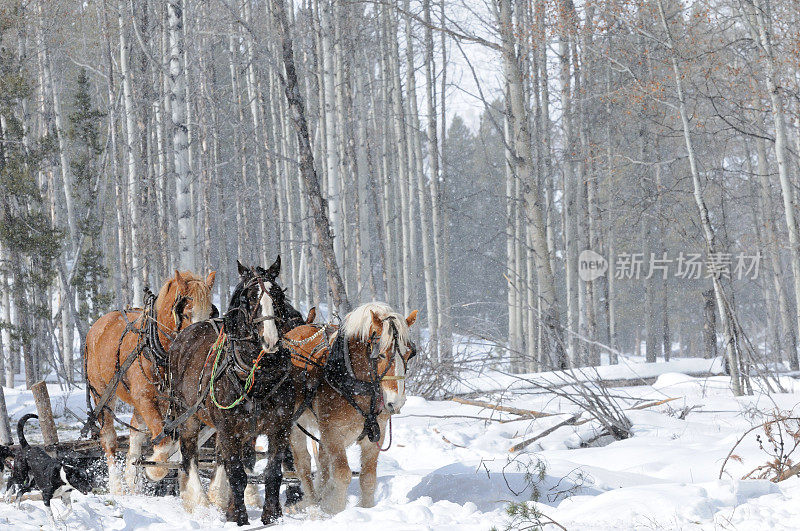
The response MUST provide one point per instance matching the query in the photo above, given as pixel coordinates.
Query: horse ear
(312, 314)
(412, 318)
(242, 269)
(376, 320)
(179, 278)
(275, 269)
(210, 279)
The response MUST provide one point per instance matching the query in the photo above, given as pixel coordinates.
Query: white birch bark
(734, 361)
(180, 138)
(523, 147)
(132, 155)
(760, 9)
(429, 265)
(325, 10)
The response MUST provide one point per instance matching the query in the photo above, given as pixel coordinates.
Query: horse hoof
(294, 495)
(269, 518)
(240, 517)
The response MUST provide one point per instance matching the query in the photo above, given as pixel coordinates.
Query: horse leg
(189, 478)
(137, 438)
(108, 440)
(302, 466)
(294, 494)
(278, 444)
(335, 497)
(230, 453)
(155, 423)
(251, 495)
(219, 491)
(369, 464)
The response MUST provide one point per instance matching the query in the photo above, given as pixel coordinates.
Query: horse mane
(198, 291)
(357, 324)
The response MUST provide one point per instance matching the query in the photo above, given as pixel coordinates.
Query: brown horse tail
(23, 443)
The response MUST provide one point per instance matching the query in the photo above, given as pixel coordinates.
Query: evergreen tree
(475, 176)
(91, 274)
(29, 242)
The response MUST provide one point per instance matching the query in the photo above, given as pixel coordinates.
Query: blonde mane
(357, 324)
(198, 291)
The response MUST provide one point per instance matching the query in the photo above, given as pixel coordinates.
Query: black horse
(240, 376)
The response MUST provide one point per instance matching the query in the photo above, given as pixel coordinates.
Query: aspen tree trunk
(523, 147)
(310, 181)
(443, 264)
(180, 139)
(610, 305)
(239, 147)
(132, 154)
(511, 255)
(422, 193)
(207, 167)
(734, 361)
(366, 182)
(760, 10)
(11, 347)
(331, 152)
(773, 251)
(435, 176)
(391, 258)
(376, 176)
(568, 195)
(402, 224)
(259, 143)
(411, 122)
(49, 88)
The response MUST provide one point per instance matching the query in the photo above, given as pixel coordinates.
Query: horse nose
(392, 408)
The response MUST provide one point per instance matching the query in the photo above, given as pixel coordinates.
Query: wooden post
(42, 399)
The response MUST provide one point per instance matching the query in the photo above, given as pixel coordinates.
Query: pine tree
(90, 274)
(29, 242)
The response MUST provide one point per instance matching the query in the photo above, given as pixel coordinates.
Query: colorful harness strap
(217, 348)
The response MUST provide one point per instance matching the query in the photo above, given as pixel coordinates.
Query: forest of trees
(137, 137)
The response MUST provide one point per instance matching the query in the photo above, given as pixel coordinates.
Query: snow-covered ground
(449, 466)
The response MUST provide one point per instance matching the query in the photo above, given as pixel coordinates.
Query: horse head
(186, 297)
(257, 299)
(387, 332)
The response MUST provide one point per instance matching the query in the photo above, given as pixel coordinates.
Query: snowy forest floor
(449, 467)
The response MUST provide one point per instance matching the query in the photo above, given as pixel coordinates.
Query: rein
(219, 347)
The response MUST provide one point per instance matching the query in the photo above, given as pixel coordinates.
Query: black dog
(33, 467)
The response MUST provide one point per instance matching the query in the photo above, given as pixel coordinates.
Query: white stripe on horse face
(394, 400)
(270, 333)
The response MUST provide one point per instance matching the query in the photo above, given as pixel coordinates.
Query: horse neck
(166, 319)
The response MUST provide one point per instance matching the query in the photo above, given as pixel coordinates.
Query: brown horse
(239, 376)
(374, 363)
(182, 300)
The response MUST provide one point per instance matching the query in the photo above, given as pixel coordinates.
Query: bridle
(375, 354)
(340, 376)
(177, 309)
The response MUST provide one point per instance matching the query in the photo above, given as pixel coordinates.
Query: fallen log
(527, 442)
(505, 409)
(654, 404)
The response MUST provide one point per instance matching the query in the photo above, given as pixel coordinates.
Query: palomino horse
(182, 300)
(240, 378)
(363, 384)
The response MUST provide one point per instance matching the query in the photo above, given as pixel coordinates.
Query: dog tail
(21, 428)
